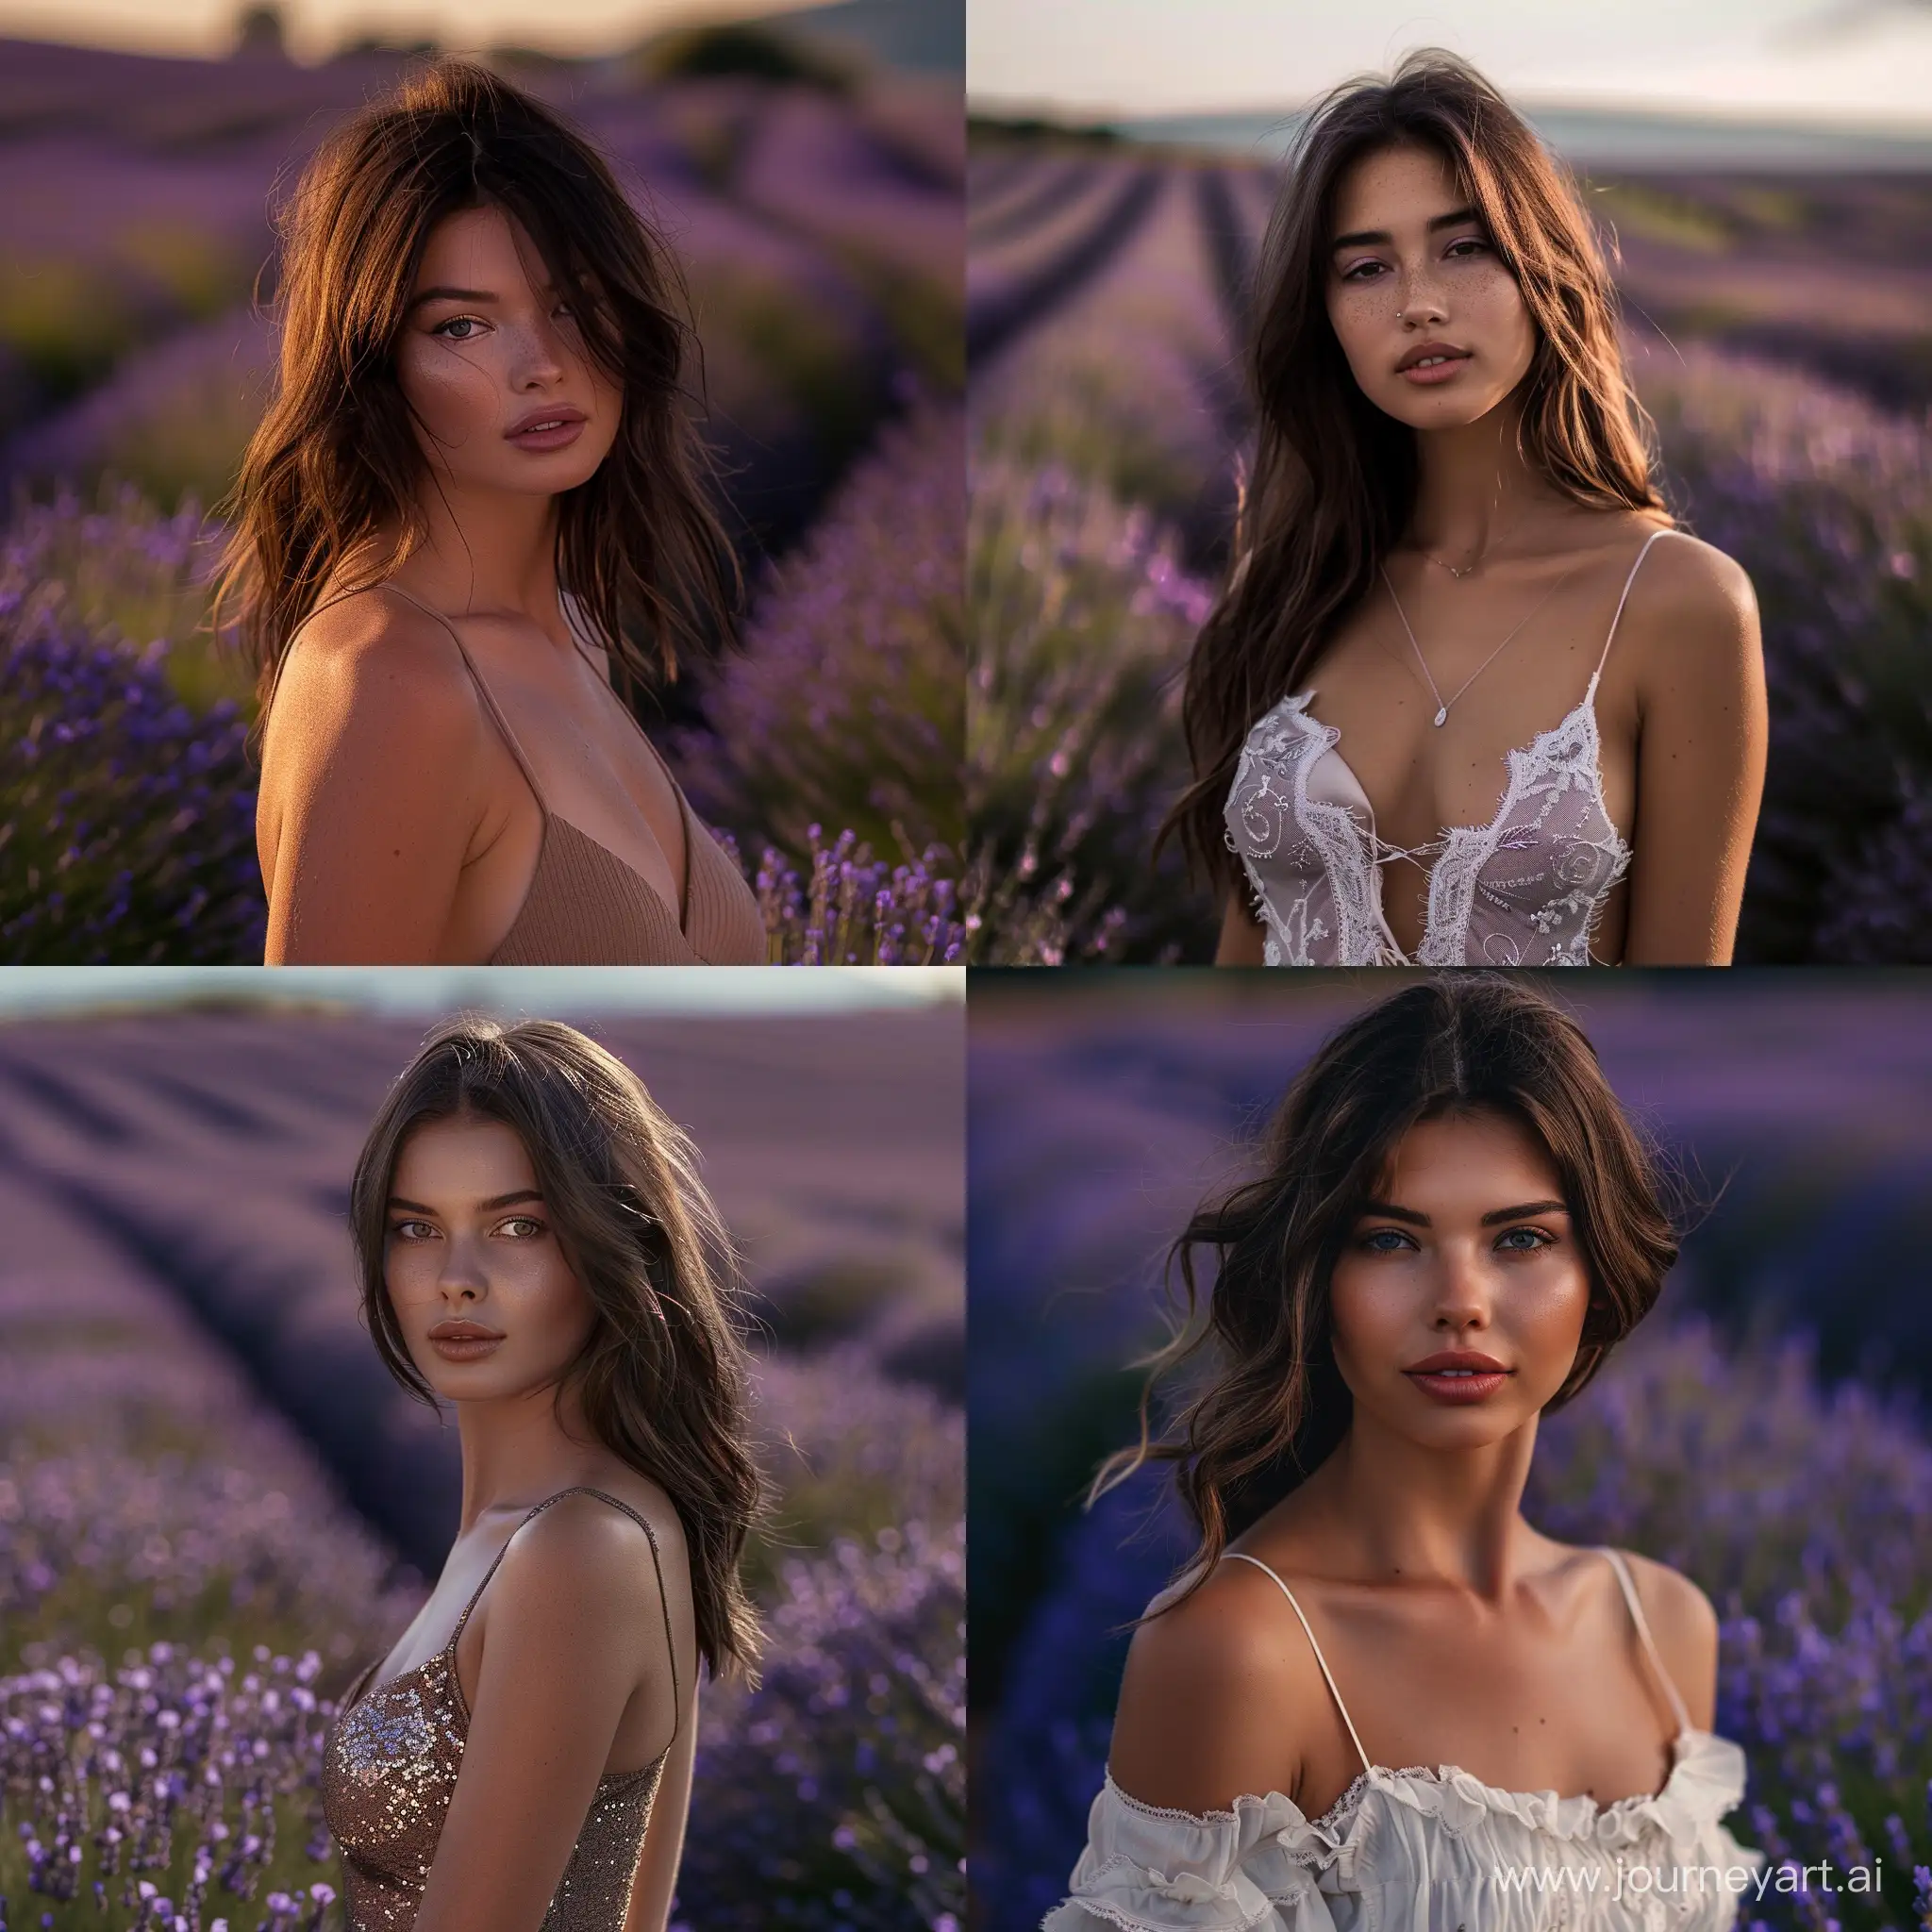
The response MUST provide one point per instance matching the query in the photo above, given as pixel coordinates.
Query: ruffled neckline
(1704, 1781)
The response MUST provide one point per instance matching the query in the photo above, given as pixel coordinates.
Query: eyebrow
(1389, 1211)
(489, 1206)
(442, 293)
(1370, 236)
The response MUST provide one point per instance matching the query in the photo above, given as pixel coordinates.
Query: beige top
(388, 1771)
(586, 908)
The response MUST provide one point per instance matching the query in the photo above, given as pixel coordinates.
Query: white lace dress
(1421, 1850)
(1524, 890)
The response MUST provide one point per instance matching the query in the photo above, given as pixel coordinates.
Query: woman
(1469, 697)
(1454, 1226)
(537, 1249)
(478, 463)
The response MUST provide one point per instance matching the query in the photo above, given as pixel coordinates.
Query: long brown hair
(1276, 1406)
(335, 458)
(662, 1375)
(1333, 487)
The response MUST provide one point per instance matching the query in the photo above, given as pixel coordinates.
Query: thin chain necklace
(1442, 704)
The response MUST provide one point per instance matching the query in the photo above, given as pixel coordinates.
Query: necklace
(1442, 704)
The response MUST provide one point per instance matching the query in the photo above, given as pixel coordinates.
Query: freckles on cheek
(455, 400)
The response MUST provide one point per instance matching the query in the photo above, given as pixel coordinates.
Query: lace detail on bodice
(1525, 890)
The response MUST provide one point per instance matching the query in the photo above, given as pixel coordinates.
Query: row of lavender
(186, 1576)
(1789, 1370)
(1107, 419)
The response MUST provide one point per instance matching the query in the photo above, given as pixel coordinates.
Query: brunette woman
(537, 1251)
(1470, 697)
(1454, 1227)
(475, 502)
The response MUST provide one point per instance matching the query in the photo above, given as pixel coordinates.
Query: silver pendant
(1443, 716)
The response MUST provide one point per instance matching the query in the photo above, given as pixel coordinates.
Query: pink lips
(1436, 372)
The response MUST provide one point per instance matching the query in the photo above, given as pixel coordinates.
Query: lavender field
(215, 1506)
(818, 221)
(1780, 331)
(1768, 1431)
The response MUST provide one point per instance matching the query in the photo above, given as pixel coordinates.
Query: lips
(1424, 352)
(464, 1331)
(541, 418)
(1456, 1359)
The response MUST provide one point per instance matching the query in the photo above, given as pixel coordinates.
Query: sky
(316, 28)
(498, 988)
(1860, 60)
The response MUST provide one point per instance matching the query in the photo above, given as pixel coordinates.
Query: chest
(1540, 1702)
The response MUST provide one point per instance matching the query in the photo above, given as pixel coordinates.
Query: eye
(451, 323)
(412, 1230)
(1385, 1241)
(1358, 273)
(521, 1227)
(1474, 241)
(1524, 1240)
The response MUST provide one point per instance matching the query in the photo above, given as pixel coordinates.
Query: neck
(517, 1453)
(1402, 1511)
(488, 553)
(1473, 485)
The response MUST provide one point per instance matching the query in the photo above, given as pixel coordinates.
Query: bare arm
(1209, 1699)
(576, 1618)
(1700, 761)
(657, 1874)
(373, 788)
(1240, 937)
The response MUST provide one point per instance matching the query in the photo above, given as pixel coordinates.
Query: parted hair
(663, 1375)
(335, 457)
(1272, 1405)
(1332, 489)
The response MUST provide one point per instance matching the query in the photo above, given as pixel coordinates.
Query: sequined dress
(389, 1765)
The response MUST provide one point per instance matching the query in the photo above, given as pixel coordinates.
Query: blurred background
(1765, 173)
(215, 1504)
(1768, 1430)
(805, 169)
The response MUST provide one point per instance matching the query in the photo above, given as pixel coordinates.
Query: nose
(1422, 300)
(1463, 1290)
(537, 355)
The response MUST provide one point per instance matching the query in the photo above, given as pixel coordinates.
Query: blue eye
(1533, 1238)
(1386, 1241)
(451, 324)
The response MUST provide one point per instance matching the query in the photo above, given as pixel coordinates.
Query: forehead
(1476, 1152)
(1394, 188)
(462, 1156)
(481, 248)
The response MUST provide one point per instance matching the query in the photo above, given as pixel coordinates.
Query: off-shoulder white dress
(1428, 1851)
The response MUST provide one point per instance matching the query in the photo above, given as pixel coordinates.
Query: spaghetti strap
(1240, 1557)
(1621, 602)
(651, 1537)
(1623, 1577)
(490, 704)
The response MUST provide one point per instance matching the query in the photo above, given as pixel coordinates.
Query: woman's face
(1412, 270)
(471, 1239)
(487, 350)
(1468, 1248)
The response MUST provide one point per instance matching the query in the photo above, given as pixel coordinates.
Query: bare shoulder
(375, 655)
(585, 1566)
(1211, 1696)
(1690, 577)
(1684, 1625)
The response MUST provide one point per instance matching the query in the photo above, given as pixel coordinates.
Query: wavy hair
(662, 1375)
(1333, 486)
(335, 456)
(1276, 1406)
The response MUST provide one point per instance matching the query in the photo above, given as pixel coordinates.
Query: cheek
(452, 393)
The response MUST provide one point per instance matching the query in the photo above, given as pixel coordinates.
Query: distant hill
(928, 36)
